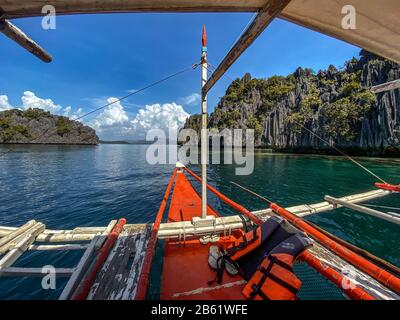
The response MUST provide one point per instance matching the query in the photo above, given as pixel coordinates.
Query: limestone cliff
(335, 104)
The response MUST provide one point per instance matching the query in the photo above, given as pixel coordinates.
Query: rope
(194, 66)
(244, 29)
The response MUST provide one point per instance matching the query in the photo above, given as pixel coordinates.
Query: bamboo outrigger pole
(204, 149)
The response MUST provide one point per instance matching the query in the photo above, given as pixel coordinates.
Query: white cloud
(112, 116)
(192, 100)
(30, 100)
(113, 122)
(67, 112)
(168, 116)
(4, 104)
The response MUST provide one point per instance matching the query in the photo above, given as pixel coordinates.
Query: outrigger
(208, 256)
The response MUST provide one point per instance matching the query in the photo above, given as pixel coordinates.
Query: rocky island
(36, 126)
(335, 104)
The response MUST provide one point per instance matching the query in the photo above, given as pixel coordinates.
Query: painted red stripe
(144, 275)
(84, 287)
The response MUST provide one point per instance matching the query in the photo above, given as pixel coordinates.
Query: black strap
(267, 274)
(244, 221)
(257, 287)
(280, 263)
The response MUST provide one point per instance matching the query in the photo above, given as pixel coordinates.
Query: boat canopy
(377, 24)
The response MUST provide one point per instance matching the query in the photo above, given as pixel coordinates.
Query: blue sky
(96, 57)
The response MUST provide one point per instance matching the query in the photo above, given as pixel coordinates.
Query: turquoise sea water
(69, 186)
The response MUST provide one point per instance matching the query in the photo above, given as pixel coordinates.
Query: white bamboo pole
(204, 142)
(394, 218)
(59, 247)
(21, 246)
(14, 234)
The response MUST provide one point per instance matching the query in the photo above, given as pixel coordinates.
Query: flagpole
(204, 149)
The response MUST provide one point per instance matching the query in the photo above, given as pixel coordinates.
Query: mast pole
(204, 151)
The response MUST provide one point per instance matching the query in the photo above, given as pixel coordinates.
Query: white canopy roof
(377, 23)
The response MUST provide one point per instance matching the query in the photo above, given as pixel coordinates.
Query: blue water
(69, 186)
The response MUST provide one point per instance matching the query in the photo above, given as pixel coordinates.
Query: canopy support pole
(17, 35)
(271, 10)
(387, 86)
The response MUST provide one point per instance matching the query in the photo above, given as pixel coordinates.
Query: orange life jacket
(264, 257)
(274, 278)
(253, 239)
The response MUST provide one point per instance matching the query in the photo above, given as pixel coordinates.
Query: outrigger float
(208, 256)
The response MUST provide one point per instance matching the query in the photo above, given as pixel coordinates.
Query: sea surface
(69, 186)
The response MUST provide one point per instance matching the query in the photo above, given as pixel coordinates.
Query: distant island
(113, 142)
(36, 126)
(125, 142)
(335, 104)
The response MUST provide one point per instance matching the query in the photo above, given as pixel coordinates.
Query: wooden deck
(119, 276)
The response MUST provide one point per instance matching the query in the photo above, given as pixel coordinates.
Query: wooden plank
(370, 33)
(17, 35)
(117, 280)
(17, 9)
(22, 245)
(129, 292)
(394, 218)
(15, 233)
(120, 277)
(270, 11)
(80, 270)
(98, 285)
(34, 272)
(392, 85)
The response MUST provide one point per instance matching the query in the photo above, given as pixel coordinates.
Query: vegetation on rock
(335, 104)
(39, 126)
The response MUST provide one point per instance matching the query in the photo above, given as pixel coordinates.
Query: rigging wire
(192, 67)
(244, 29)
(327, 142)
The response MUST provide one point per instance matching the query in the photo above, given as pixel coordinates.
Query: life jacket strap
(268, 275)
